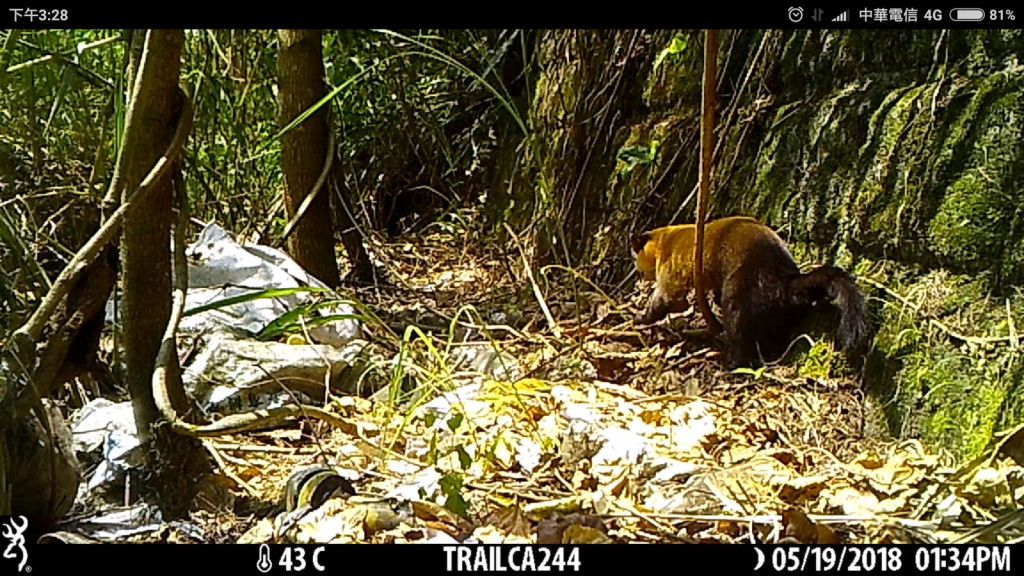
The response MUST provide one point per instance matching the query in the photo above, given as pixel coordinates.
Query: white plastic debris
(676, 471)
(620, 446)
(528, 454)
(233, 373)
(219, 268)
(485, 359)
(462, 398)
(421, 486)
(580, 414)
(691, 423)
(230, 375)
(109, 428)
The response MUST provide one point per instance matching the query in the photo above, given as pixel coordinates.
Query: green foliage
(58, 84)
(451, 486)
(55, 95)
(677, 46)
(415, 111)
(820, 362)
(958, 398)
(432, 452)
(754, 373)
(305, 316)
(946, 391)
(422, 125)
(673, 84)
(630, 157)
(230, 173)
(464, 458)
(455, 421)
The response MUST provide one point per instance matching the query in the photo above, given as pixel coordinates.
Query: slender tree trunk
(134, 41)
(362, 269)
(707, 146)
(176, 463)
(300, 85)
(145, 244)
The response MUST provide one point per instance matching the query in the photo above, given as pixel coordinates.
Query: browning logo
(15, 534)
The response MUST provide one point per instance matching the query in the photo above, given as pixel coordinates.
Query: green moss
(969, 291)
(821, 361)
(961, 400)
(1013, 405)
(882, 195)
(975, 223)
(932, 385)
(972, 223)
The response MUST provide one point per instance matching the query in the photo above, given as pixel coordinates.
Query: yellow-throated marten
(761, 292)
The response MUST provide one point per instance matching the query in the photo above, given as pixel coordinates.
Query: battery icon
(967, 14)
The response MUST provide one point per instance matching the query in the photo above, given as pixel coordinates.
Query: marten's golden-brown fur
(762, 294)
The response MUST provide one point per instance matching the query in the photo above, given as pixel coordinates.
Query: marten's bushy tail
(839, 286)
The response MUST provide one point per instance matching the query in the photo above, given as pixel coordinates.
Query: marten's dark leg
(657, 308)
(740, 347)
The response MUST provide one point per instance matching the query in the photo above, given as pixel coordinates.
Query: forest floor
(586, 431)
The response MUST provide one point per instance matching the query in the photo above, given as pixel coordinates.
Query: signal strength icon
(844, 17)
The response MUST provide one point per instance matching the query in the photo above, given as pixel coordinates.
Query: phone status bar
(899, 15)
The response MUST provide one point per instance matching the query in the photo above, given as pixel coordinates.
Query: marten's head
(645, 251)
(638, 241)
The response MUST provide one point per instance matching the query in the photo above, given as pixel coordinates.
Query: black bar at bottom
(626, 560)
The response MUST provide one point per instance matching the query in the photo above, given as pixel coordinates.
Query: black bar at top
(795, 14)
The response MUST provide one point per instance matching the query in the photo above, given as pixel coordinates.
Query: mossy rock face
(957, 400)
(675, 78)
(948, 396)
(977, 226)
(934, 384)
(921, 166)
(972, 224)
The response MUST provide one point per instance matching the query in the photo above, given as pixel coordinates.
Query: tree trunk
(134, 41)
(145, 265)
(581, 118)
(362, 271)
(300, 85)
(145, 244)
